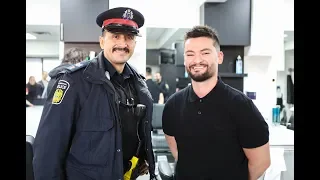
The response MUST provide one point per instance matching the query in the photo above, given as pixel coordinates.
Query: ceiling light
(30, 36)
(285, 35)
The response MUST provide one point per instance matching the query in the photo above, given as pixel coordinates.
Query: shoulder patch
(75, 67)
(60, 91)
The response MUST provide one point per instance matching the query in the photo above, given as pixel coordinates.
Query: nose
(197, 58)
(122, 41)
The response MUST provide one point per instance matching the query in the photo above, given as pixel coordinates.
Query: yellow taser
(134, 161)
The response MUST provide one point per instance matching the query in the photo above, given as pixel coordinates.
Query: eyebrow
(205, 49)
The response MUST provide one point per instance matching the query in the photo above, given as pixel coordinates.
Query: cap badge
(128, 14)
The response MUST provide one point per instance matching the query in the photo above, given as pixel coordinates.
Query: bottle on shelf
(239, 65)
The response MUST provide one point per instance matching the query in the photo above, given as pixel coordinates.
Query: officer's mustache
(125, 49)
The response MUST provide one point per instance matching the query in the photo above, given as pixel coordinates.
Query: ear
(101, 40)
(220, 57)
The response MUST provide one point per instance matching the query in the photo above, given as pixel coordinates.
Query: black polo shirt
(124, 87)
(211, 131)
(154, 90)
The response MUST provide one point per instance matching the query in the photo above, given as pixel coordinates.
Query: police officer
(164, 87)
(97, 123)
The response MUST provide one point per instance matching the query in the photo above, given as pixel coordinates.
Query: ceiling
(153, 34)
(164, 37)
(44, 32)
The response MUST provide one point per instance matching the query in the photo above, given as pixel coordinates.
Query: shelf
(232, 75)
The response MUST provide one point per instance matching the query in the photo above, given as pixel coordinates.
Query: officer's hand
(143, 168)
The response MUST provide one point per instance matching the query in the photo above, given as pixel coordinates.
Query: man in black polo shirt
(214, 131)
(154, 89)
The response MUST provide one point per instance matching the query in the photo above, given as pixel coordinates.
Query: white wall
(50, 63)
(42, 49)
(288, 14)
(289, 45)
(43, 12)
(165, 14)
(260, 75)
(33, 68)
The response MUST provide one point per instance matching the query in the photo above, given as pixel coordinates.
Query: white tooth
(198, 67)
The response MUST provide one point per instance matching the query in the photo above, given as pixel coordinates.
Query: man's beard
(201, 77)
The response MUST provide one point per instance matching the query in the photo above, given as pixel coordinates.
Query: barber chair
(159, 143)
(29, 157)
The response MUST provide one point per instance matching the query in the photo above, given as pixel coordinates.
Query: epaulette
(75, 67)
(144, 78)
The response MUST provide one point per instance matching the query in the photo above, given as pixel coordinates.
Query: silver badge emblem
(107, 75)
(128, 14)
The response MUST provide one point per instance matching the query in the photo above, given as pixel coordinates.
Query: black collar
(112, 71)
(192, 97)
(95, 72)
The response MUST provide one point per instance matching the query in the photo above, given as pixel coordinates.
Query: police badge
(128, 14)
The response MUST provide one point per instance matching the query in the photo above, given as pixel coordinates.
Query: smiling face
(202, 54)
(117, 47)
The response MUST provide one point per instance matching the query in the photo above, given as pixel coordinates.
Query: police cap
(121, 20)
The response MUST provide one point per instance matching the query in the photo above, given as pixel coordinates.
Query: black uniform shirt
(164, 88)
(154, 90)
(124, 86)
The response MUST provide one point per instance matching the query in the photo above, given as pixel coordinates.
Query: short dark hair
(148, 70)
(74, 55)
(204, 31)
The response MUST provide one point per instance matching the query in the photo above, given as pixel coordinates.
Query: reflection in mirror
(285, 82)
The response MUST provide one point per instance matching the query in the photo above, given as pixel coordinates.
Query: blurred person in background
(72, 56)
(164, 87)
(153, 87)
(32, 89)
(43, 84)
